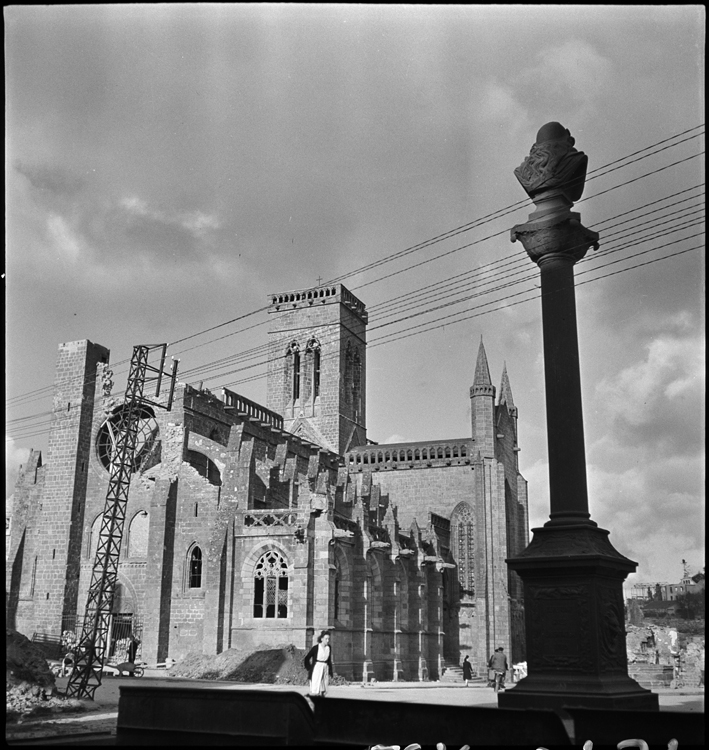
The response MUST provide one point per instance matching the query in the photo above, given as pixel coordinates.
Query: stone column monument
(572, 575)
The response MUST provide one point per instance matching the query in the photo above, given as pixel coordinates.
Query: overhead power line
(599, 172)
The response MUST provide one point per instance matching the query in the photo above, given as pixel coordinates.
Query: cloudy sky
(169, 166)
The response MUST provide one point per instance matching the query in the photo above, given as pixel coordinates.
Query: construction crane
(92, 648)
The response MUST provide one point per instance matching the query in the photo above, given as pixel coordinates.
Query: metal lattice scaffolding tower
(92, 648)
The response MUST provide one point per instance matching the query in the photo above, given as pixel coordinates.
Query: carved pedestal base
(574, 623)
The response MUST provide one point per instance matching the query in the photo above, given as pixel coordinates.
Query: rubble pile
(29, 684)
(654, 644)
(282, 665)
(692, 672)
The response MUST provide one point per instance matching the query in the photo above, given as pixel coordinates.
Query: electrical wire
(34, 395)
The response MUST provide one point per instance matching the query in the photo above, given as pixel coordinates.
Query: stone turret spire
(506, 392)
(482, 406)
(482, 384)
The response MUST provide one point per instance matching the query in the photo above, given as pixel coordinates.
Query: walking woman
(467, 670)
(318, 662)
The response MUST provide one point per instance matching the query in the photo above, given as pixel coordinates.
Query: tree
(690, 605)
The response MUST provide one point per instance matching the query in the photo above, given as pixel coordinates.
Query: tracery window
(463, 546)
(147, 449)
(271, 586)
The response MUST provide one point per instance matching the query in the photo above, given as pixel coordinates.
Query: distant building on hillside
(668, 592)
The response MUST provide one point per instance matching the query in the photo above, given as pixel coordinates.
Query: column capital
(558, 235)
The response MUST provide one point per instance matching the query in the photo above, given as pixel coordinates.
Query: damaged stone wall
(654, 644)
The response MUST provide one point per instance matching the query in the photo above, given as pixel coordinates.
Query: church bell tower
(317, 365)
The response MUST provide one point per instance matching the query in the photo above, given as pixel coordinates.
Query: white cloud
(63, 238)
(652, 504)
(575, 66)
(198, 222)
(195, 222)
(497, 105)
(537, 477)
(659, 400)
(395, 438)
(135, 206)
(14, 457)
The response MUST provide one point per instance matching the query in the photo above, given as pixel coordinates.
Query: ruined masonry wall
(417, 492)
(57, 577)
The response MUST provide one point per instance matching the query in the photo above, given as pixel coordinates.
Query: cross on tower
(319, 280)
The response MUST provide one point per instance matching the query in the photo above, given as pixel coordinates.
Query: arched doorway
(126, 626)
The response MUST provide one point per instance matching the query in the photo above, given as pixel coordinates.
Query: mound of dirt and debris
(30, 685)
(282, 665)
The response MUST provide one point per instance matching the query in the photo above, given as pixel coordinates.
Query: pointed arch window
(349, 368)
(94, 534)
(293, 357)
(137, 538)
(194, 580)
(313, 349)
(271, 586)
(356, 387)
(463, 547)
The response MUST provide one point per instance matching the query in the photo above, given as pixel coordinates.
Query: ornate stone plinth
(573, 599)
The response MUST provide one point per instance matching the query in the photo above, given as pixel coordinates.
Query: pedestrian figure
(318, 662)
(498, 667)
(133, 648)
(467, 670)
(67, 664)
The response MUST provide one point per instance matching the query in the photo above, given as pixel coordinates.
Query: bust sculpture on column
(553, 176)
(572, 575)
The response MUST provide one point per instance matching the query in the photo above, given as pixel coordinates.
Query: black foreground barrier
(656, 728)
(218, 715)
(168, 715)
(343, 722)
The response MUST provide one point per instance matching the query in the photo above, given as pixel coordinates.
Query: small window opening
(316, 373)
(196, 568)
(296, 376)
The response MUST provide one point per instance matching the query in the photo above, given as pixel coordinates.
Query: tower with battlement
(317, 360)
